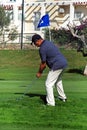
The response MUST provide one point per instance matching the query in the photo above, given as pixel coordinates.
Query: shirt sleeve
(42, 53)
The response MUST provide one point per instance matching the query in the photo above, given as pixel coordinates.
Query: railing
(26, 38)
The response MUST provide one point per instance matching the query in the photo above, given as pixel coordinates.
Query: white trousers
(54, 78)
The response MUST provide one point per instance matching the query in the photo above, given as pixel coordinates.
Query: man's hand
(41, 68)
(38, 75)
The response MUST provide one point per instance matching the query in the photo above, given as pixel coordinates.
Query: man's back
(50, 53)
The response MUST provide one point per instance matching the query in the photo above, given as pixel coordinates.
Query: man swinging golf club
(52, 57)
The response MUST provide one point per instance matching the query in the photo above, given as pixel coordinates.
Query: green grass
(28, 112)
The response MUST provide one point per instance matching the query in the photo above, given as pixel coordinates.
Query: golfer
(52, 57)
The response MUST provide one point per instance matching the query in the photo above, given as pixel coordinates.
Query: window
(19, 15)
(40, 0)
(10, 13)
(12, 0)
(77, 15)
(37, 16)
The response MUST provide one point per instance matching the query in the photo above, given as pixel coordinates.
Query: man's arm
(41, 68)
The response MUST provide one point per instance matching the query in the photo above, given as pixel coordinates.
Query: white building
(61, 12)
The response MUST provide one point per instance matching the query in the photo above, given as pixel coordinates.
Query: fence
(26, 38)
(6, 43)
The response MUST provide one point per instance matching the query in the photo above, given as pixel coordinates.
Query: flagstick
(49, 34)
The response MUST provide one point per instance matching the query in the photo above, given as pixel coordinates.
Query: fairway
(22, 94)
(18, 111)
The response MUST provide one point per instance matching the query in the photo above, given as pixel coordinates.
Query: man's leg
(59, 86)
(60, 90)
(49, 88)
(50, 82)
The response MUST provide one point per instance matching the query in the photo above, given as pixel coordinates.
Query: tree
(4, 18)
(4, 26)
(4, 21)
(77, 32)
(80, 34)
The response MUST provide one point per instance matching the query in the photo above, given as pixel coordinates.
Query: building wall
(57, 19)
(61, 12)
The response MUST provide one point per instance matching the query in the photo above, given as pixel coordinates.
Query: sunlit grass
(21, 93)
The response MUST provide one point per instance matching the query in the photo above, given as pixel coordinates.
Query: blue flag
(44, 21)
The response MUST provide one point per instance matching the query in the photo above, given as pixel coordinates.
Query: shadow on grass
(2, 79)
(42, 97)
(78, 71)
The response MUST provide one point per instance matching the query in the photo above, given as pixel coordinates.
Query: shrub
(60, 36)
(13, 34)
(64, 37)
